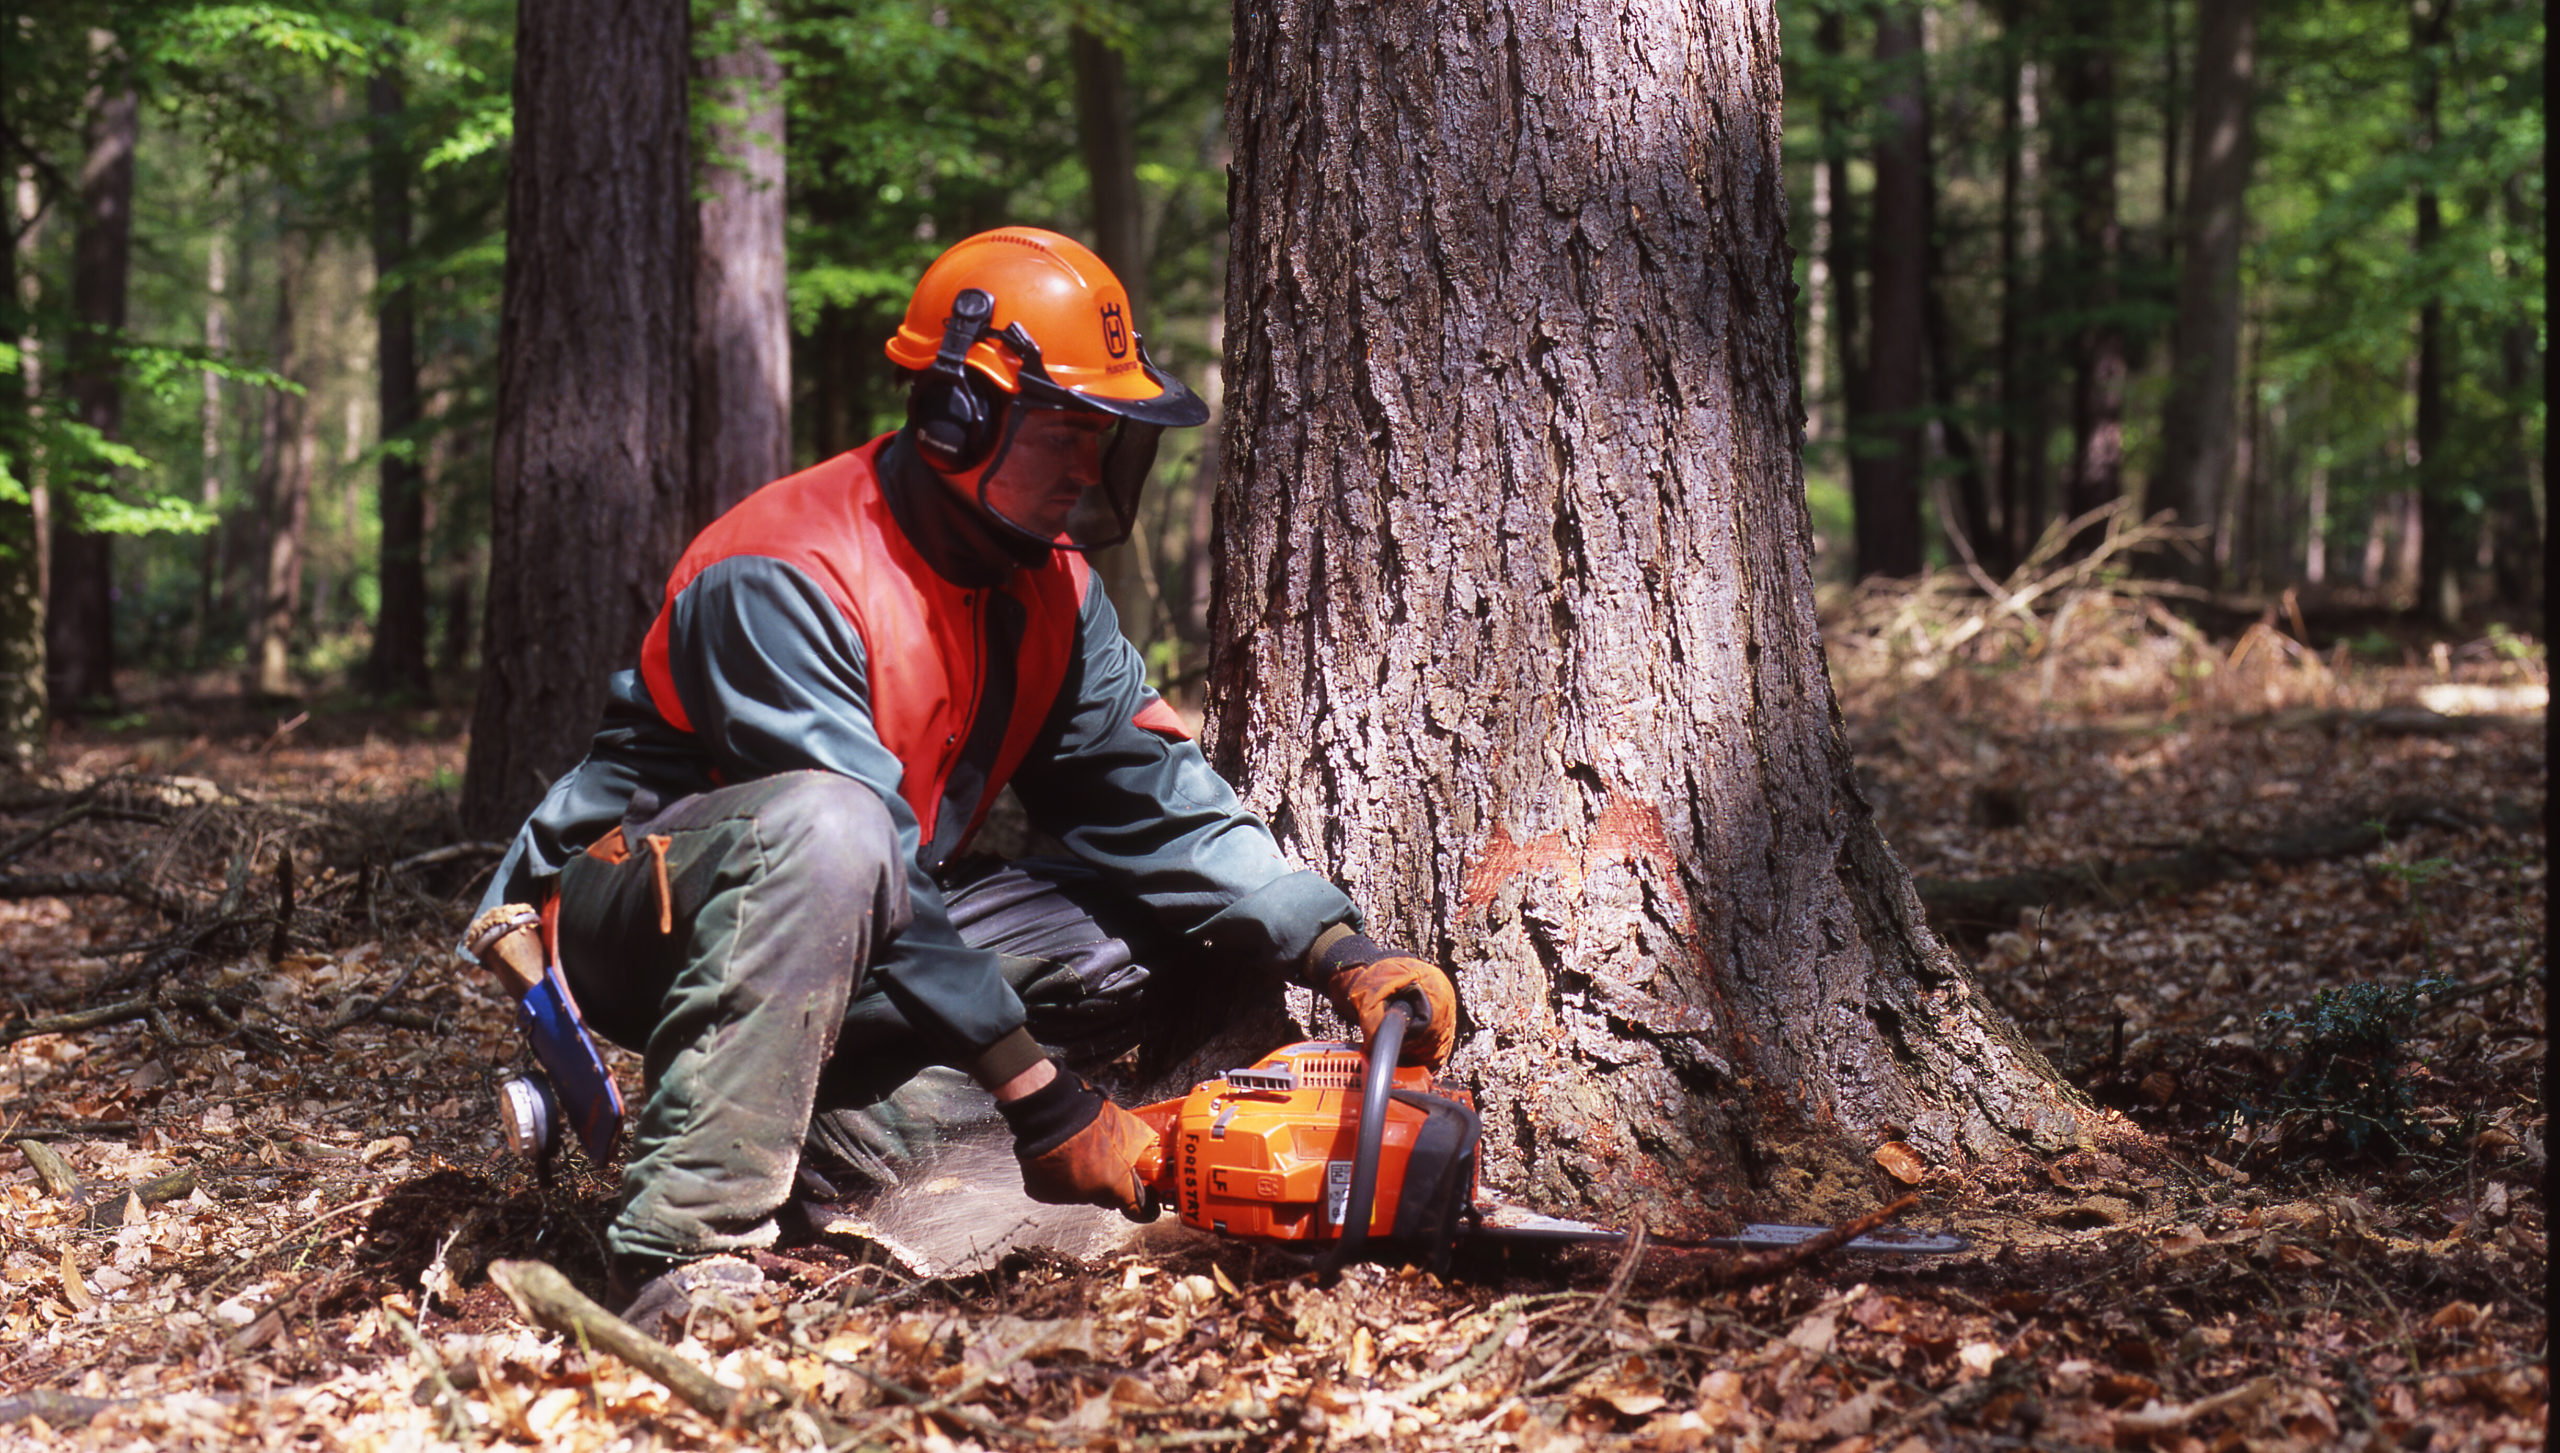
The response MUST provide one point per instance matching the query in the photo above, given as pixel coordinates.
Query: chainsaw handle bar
(1376, 1083)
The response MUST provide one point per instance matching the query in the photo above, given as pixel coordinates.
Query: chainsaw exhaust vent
(1328, 1071)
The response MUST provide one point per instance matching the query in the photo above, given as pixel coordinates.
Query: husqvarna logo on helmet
(1115, 330)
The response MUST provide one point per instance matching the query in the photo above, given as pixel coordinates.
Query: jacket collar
(962, 546)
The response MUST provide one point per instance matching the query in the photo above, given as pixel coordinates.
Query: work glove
(1360, 977)
(1076, 1147)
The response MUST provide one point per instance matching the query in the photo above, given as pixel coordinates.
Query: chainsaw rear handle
(1376, 1083)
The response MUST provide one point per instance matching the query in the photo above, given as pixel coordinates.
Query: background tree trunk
(2088, 121)
(2198, 427)
(22, 694)
(1531, 665)
(1110, 147)
(210, 446)
(1841, 254)
(2439, 572)
(591, 460)
(399, 660)
(2018, 505)
(741, 295)
(80, 638)
(285, 449)
(1887, 497)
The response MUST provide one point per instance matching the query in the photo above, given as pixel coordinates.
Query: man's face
(1056, 456)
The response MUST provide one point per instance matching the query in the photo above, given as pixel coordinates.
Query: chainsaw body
(1269, 1152)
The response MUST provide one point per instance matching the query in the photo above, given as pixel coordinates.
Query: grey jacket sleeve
(1146, 809)
(772, 676)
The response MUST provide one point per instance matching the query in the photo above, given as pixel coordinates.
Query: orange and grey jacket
(812, 627)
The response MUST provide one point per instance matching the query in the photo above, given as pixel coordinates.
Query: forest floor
(2320, 1023)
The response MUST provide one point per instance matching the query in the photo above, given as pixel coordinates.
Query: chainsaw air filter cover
(1267, 1152)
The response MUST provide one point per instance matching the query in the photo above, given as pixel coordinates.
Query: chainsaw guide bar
(1513, 1226)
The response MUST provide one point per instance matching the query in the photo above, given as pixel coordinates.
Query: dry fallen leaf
(1901, 1162)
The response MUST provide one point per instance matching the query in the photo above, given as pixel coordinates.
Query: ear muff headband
(956, 418)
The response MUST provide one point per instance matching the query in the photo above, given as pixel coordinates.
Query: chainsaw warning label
(1337, 1191)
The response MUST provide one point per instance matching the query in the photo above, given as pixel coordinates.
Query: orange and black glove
(1360, 977)
(1076, 1147)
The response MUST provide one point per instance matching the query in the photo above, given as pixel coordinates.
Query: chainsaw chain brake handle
(1376, 1083)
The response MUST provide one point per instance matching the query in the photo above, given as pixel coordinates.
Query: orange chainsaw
(1320, 1147)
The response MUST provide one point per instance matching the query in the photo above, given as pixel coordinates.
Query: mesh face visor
(1102, 448)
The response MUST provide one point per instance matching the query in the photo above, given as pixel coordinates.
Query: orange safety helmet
(1024, 318)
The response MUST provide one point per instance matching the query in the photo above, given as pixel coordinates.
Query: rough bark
(285, 449)
(399, 660)
(2199, 425)
(591, 458)
(1531, 665)
(22, 694)
(2088, 123)
(741, 297)
(80, 642)
(1105, 135)
(2439, 575)
(1886, 496)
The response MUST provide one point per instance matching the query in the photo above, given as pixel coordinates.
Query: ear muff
(957, 418)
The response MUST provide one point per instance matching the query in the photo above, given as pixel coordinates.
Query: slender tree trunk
(2009, 486)
(399, 661)
(2315, 549)
(22, 694)
(286, 445)
(217, 340)
(80, 641)
(2516, 549)
(2198, 425)
(2088, 120)
(1532, 666)
(1841, 256)
(592, 455)
(741, 297)
(1109, 141)
(2169, 114)
(1887, 500)
(2439, 565)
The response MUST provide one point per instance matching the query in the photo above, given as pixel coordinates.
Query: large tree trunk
(1109, 142)
(591, 460)
(1886, 496)
(22, 694)
(2199, 426)
(286, 445)
(399, 660)
(2439, 572)
(80, 640)
(1531, 664)
(741, 297)
(2088, 123)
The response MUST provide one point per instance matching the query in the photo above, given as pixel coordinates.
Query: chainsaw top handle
(1377, 1081)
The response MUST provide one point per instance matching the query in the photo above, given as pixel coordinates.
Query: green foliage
(2349, 1065)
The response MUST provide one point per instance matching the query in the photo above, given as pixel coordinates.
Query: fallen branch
(19, 887)
(1984, 905)
(450, 852)
(547, 1300)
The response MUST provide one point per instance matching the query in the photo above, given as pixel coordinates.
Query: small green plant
(2350, 1062)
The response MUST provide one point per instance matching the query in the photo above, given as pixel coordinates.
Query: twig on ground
(1597, 1322)
(1760, 1265)
(449, 1404)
